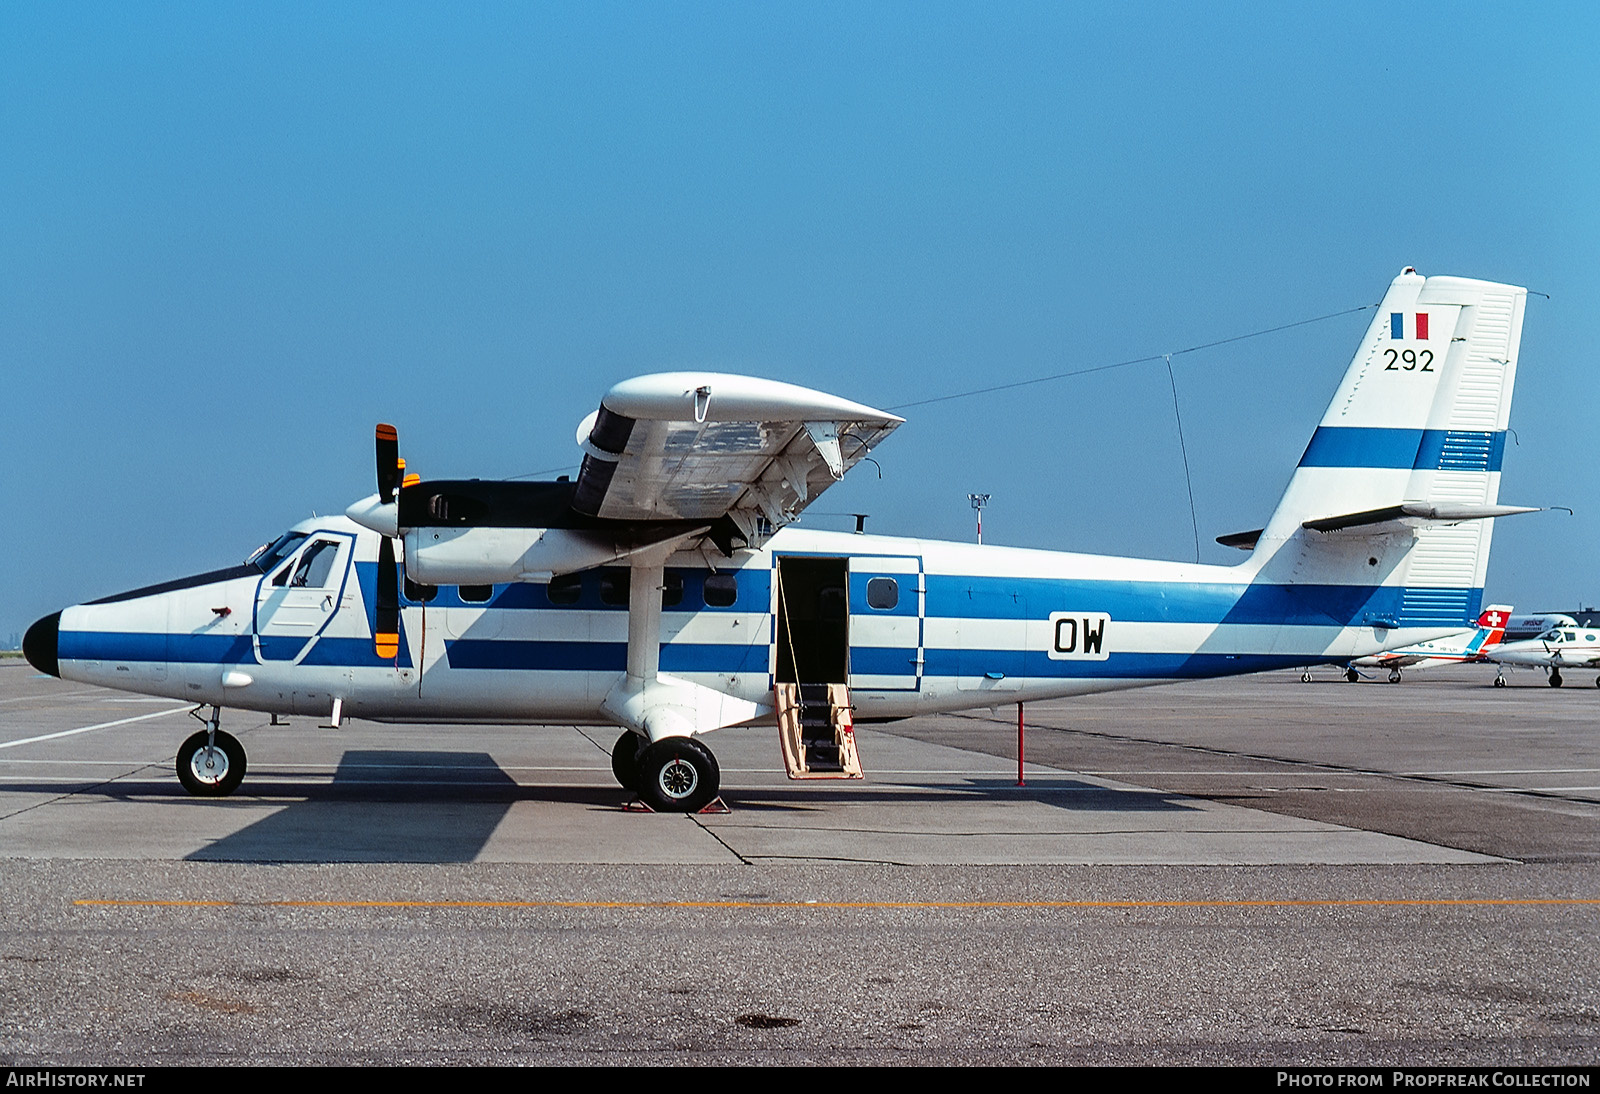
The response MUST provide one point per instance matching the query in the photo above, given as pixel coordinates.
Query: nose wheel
(211, 764)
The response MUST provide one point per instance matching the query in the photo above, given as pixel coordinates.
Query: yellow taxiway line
(1469, 902)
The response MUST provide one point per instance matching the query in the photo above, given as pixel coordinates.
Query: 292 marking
(1407, 360)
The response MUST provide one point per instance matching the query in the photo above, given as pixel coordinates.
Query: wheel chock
(639, 805)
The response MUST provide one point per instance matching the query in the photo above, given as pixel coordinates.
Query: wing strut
(648, 701)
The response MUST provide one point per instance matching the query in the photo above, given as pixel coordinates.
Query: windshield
(265, 558)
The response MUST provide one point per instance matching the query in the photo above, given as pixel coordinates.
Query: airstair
(816, 731)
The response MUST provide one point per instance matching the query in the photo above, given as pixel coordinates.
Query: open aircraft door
(297, 601)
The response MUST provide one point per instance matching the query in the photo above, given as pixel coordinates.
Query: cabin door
(887, 605)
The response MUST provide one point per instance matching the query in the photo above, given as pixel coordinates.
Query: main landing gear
(211, 763)
(1351, 675)
(673, 775)
(1555, 678)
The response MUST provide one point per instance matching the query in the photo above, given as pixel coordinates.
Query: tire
(1352, 675)
(1500, 681)
(1555, 678)
(678, 775)
(1394, 676)
(625, 760)
(213, 776)
(1305, 677)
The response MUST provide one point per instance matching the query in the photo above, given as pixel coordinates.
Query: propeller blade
(389, 466)
(386, 625)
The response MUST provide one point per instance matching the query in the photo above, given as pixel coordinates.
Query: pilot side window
(315, 565)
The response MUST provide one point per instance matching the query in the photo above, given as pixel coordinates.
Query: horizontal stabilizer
(1412, 514)
(1245, 541)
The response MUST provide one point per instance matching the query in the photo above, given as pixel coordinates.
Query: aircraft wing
(700, 446)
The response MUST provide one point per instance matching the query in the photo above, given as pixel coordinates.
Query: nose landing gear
(211, 763)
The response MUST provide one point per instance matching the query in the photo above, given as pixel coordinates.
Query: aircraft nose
(41, 644)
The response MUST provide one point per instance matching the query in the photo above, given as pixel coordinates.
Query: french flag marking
(1397, 325)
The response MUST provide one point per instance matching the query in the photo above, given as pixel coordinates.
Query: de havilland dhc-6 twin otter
(666, 591)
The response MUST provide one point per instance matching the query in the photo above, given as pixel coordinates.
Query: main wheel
(678, 775)
(1394, 676)
(1352, 675)
(211, 772)
(1305, 677)
(1500, 681)
(1555, 678)
(625, 759)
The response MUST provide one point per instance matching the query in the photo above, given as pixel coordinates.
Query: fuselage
(1560, 647)
(915, 626)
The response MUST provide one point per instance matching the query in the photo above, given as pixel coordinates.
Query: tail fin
(1491, 628)
(1402, 475)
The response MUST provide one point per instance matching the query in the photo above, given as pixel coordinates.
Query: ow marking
(1078, 636)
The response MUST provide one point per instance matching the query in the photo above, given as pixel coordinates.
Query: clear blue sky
(232, 237)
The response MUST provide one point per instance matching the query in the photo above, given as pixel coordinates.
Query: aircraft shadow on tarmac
(401, 806)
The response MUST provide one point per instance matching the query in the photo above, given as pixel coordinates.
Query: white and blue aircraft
(1566, 646)
(667, 591)
(1461, 648)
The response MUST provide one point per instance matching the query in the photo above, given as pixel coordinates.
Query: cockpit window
(265, 558)
(315, 565)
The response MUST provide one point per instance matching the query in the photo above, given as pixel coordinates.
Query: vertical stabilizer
(1418, 421)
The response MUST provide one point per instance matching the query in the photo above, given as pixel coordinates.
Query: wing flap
(699, 446)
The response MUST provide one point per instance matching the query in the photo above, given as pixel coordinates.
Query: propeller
(391, 473)
(390, 466)
(386, 624)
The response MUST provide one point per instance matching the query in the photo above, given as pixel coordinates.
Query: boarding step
(816, 731)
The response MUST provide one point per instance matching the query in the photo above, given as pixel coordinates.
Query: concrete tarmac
(1255, 870)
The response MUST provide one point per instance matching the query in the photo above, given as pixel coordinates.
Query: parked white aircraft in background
(1556, 649)
(1519, 627)
(1453, 649)
(667, 592)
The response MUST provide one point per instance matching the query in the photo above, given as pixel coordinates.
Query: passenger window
(672, 589)
(1569, 637)
(315, 565)
(614, 588)
(883, 593)
(420, 594)
(565, 590)
(476, 594)
(721, 590)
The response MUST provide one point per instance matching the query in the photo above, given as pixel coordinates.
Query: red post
(1020, 781)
